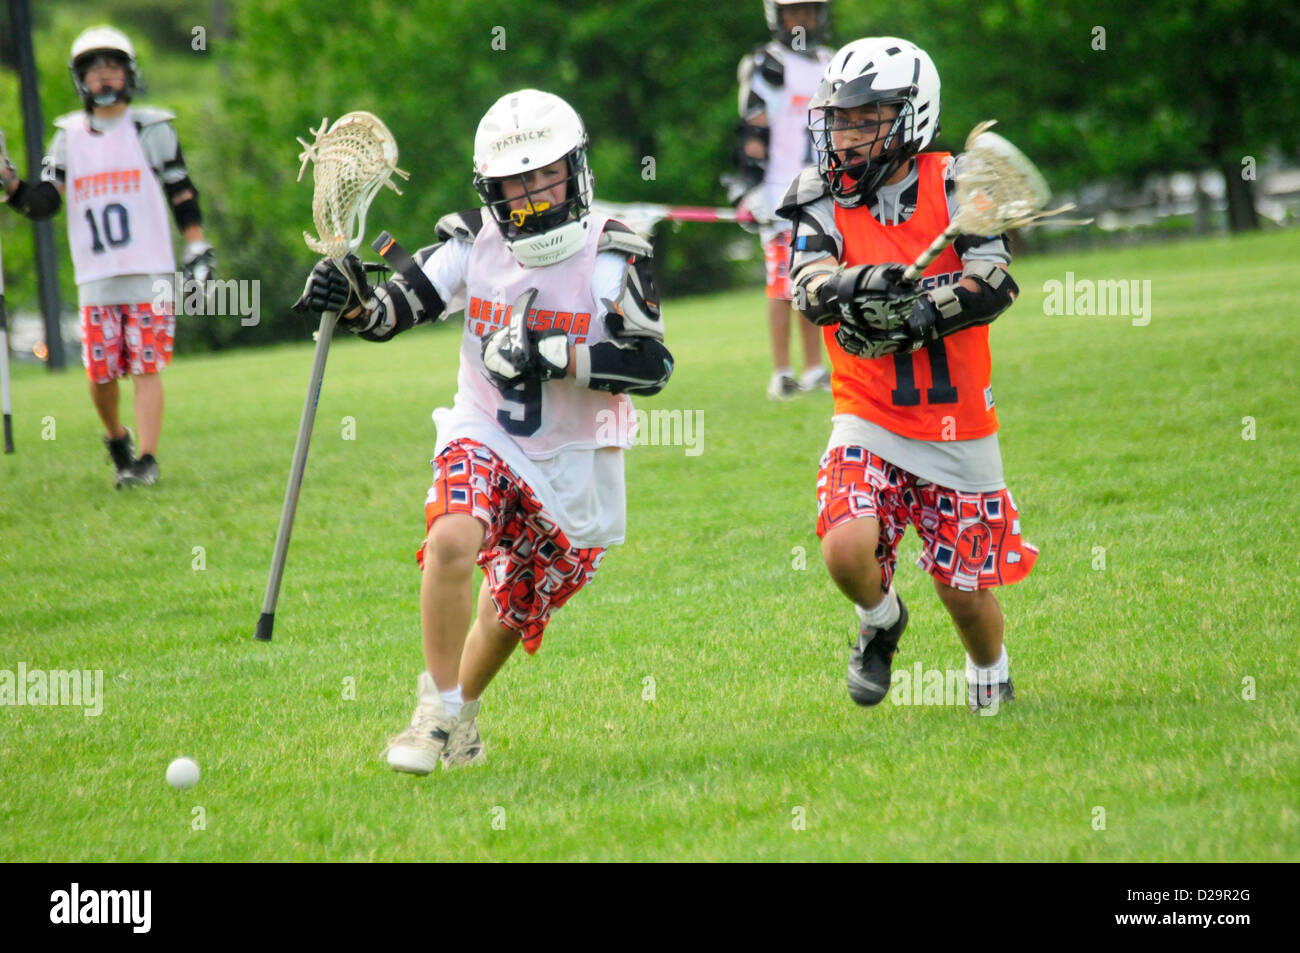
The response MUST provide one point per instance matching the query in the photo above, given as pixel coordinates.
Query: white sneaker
(818, 378)
(464, 747)
(782, 386)
(418, 748)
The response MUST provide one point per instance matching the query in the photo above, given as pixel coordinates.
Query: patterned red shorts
(776, 253)
(117, 340)
(526, 557)
(971, 540)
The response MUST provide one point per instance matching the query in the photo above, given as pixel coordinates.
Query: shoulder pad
(770, 65)
(462, 225)
(69, 120)
(151, 115)
(804, 190)
(617, 237)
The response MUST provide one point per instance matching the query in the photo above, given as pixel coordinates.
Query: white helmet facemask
(524, 133)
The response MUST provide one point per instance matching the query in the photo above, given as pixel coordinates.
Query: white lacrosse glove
(540, 355)
(199, 262)
(756, 204)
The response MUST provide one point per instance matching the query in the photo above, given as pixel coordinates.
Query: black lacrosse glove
(869, 297)
(328, 289)
(916, 330)
(540, 355)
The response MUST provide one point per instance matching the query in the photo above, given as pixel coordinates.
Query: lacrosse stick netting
(997, 188)
(350, 163)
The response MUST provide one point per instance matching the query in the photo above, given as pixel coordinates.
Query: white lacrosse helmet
(525, 131)
(103, 40)
(772, 11)
(878, 70)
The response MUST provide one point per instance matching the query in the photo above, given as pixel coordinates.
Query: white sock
(452, 702)
(783, 372)
(883, 614)
(988, 675)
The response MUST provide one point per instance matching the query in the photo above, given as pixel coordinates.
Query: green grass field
(1130, 677)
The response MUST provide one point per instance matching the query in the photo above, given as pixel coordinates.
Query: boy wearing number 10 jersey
(528, 473)
(914, 436)
(120, 170)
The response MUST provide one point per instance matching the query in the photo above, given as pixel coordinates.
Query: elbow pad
(185, 212)
(753, 169)
(632, 366)
(36, 202)
(953, 308)
(816, 299)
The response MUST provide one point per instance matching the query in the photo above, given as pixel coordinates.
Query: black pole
(47, 265)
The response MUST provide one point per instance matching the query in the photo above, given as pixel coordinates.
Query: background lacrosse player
(776, 82)
(528, 473)
(914, 436)
(126, 170)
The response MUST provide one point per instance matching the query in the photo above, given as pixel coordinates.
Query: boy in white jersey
(776, 82)
(125, 171)
(528, 476)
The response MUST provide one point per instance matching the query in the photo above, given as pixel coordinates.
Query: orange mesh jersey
(941, 392)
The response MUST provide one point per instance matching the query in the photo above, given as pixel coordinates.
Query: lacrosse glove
(328, 288)
(541, 356)
(915, 330)
(870, 296)
(199, 263)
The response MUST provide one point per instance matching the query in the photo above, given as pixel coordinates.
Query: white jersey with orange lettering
(118, 221)
(563, 437)
(777, 83)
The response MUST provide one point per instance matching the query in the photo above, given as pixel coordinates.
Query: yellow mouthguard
(520, 215)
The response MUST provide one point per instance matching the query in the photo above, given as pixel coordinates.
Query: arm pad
(954, 308)
(185, 212)
(38, 201)
(752, 168)
(625, 366)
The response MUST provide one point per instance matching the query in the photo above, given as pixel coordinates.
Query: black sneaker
(871, 662)
(145, 471)
(981, 696)
(121, 453)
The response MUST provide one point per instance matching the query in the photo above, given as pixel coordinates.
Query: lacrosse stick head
(997, 186)
(351, 161)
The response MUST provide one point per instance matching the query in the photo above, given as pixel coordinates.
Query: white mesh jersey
(117, 216)
(790, 148)
(542, 418)
(564, 440)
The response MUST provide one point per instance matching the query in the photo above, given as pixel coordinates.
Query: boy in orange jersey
(914, 436)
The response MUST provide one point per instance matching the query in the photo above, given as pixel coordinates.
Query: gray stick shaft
(323, 335)
(930, 254)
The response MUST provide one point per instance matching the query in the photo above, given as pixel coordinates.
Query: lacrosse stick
(4, 362)
(642, 217)
(997, 188)
(351, 162)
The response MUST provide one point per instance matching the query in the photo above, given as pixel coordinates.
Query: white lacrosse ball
(183, 773)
